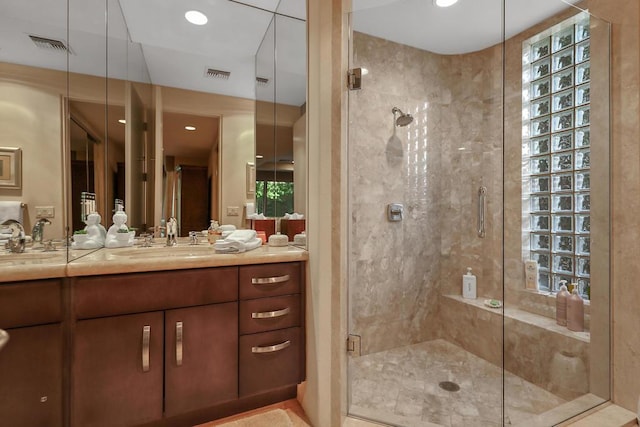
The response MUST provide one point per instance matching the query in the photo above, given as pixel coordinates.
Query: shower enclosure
(471, 144)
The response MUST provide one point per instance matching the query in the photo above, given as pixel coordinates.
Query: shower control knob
(395, 211)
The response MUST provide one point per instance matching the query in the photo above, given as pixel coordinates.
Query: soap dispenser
(575, 311)
(469, 285)
(561, 304)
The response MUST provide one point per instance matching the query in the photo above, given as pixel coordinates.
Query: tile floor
(401, 387)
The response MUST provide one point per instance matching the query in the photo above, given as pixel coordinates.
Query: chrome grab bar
(270, 314)
(269, 280)
(482, 195)
(146, 336)
(271, 348)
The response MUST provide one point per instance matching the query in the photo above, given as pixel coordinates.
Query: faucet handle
(49, 246)
(193, 237)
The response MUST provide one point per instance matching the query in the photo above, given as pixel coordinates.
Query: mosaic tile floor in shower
(401, 387)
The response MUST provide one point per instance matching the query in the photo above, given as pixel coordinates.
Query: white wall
(30, 119)
(237, 148)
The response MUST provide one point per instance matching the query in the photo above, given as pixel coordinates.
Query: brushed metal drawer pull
(271, 348)
(271, 314)
(146, 336)
(269, 280)
(179, 343)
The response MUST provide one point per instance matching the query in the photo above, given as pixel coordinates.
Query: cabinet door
(31, 377)
(201, 360)
(117, 370)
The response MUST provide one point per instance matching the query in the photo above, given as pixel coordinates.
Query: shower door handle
(482, 194)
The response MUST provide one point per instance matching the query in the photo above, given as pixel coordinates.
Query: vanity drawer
(266, 280)
(269, 360)
(135, 293)
(30, 303)
(268, 314)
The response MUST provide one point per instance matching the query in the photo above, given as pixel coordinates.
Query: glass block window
(556, 154)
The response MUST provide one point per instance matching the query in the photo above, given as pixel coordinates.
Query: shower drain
(449, 386)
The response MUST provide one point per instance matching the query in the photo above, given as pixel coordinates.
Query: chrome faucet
(37, 234)
(17, 239)
(172, 230)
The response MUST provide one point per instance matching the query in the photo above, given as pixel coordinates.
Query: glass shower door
(471, 145)
(425, 195)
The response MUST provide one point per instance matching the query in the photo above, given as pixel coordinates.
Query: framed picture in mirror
(251, 178)
(10, 167)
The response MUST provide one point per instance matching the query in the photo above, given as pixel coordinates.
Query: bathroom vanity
(150, 338)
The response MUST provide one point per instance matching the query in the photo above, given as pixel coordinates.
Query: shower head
(403, 119)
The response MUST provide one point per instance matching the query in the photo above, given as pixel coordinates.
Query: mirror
(126, 76)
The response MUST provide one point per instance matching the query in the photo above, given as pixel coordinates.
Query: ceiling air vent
(262, 81)
(50, 44)
(217, 74)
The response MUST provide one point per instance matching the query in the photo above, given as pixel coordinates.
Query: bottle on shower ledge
(469, 285)
(561, 304)
(575, 311)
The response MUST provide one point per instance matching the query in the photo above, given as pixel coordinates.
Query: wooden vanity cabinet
(176, 352)
(182, 347)
(31, 363)
(271, 327)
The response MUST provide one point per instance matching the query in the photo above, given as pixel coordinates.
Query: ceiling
(467, 26)
(150, 39)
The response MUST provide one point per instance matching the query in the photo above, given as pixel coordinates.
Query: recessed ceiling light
(259, 156)
(123, 121)
(190, 127)
(461, 149)
(444, 3)
(196, 17)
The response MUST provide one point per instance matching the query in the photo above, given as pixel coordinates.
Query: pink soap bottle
(561, 304)
(575, 312)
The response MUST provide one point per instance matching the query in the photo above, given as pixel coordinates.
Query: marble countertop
(17, 267)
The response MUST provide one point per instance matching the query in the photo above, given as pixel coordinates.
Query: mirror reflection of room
(120, 81)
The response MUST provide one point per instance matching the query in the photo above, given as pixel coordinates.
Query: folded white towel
(243, 236)
(227, 227)
(11, 210)
(256, 216)
(233, 247)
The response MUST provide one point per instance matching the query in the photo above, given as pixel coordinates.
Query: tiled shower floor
(400, 387)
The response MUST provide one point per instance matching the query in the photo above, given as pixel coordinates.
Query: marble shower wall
(398, 270)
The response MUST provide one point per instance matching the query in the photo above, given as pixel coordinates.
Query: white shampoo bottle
(469, 285)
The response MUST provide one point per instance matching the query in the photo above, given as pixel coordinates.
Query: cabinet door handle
(179, 343)
(269, 280)
(271, 314)
(146, 336)
(271, 348)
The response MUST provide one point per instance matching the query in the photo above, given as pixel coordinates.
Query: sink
(164, 251)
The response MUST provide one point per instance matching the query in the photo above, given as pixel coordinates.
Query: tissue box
(266, 225)
(291, 227)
